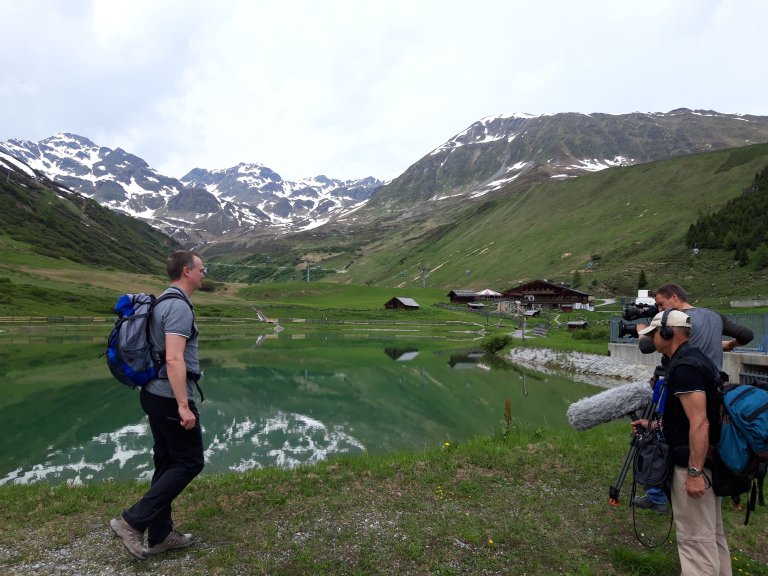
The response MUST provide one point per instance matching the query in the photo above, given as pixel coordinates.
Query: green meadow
(520, 501)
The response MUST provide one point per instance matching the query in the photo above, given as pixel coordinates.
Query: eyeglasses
(204, 269)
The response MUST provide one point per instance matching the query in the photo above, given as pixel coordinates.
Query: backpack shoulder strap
(177, 294)
(695, 357)
(174, 292)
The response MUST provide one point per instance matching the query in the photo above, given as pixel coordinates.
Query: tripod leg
(615, 489)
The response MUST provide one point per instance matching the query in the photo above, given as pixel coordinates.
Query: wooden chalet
(401, 303)
(546, 294)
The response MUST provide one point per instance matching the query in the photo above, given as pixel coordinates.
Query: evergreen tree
(742, 257)
(760, 258)
(642, 281)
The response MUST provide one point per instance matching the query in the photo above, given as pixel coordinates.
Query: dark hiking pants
(178, 456)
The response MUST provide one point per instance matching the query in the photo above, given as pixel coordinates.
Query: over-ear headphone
(665, 331)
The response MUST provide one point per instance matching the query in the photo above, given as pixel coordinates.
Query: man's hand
(187, 418)
(695, 486)
(638, 424)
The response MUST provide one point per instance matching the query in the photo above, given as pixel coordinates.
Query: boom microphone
(609, 405)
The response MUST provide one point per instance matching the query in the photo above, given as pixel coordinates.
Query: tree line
(740, 226)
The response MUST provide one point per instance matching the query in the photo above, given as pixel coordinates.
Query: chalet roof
(544, 284)
(488, 292)
(405, 301)
(462, 293)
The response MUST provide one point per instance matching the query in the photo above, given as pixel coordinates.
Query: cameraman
(708, 329)
(709, 326)
(691, 423)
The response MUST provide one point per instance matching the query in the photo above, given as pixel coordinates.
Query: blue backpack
(743, 446)
(129, 350)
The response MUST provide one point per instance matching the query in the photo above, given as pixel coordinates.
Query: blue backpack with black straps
(129, 350)
(743, 446)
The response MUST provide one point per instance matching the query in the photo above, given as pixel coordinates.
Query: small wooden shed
(401, 303)
(462, 296)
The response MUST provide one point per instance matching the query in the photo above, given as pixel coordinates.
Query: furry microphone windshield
(609, 405)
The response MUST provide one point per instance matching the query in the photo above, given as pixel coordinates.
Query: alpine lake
(274, 396)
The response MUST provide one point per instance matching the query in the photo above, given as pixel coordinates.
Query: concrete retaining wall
(748, 303)
(734, 363)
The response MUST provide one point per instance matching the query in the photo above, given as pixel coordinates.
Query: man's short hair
(179, 260)
(669, 290)
(685, 331)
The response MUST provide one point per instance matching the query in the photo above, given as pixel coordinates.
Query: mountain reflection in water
(272, 404)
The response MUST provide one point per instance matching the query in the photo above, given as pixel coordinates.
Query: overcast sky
(357, 88)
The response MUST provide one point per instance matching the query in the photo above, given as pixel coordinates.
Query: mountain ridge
(483, 159)
(508, 164)
(255, 197)
(600, 230)
(498, 150)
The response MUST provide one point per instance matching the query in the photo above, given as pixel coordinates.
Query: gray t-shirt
(707, 333)
(174, 316)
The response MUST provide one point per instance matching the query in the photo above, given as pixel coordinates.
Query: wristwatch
(693, 471)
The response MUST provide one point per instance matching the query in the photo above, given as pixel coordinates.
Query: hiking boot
(645, 504)
(133, 540)
(173, 541)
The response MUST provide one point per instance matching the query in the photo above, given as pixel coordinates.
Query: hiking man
(691, 423)
(173, 417)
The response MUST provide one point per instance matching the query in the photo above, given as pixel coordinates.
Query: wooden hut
(461, 296)
(401, 303)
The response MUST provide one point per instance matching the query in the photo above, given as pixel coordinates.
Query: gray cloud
(354, 88)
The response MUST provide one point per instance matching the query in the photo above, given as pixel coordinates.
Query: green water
(269, 402)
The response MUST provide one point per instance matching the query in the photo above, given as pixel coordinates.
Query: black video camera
(635, 311)
(627, 330)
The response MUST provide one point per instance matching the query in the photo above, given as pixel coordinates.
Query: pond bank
(602, 371)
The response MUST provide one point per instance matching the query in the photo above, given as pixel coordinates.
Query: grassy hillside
(62, 254)
(621, 220)
(38, 217)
